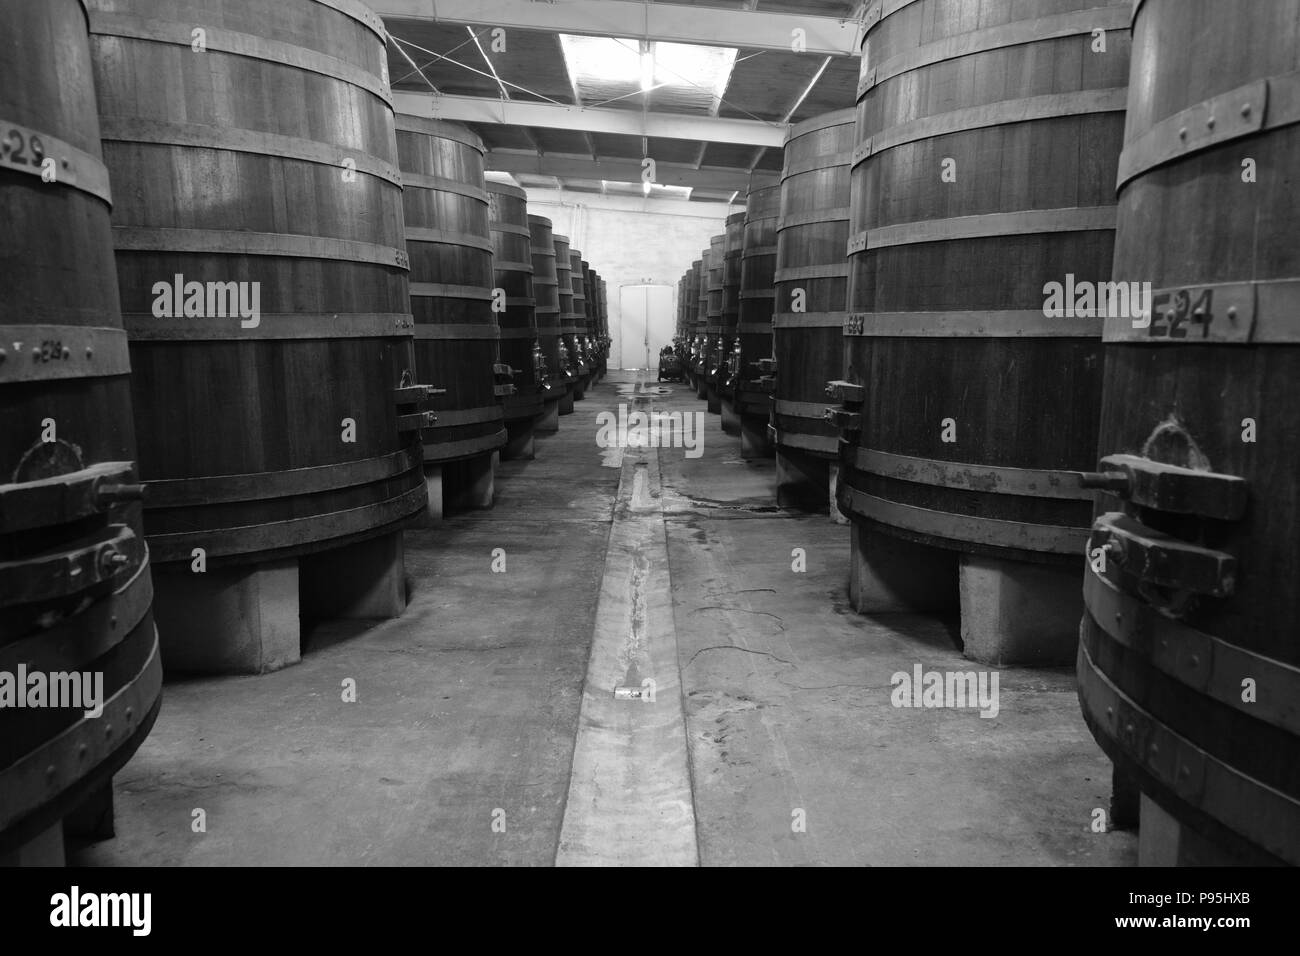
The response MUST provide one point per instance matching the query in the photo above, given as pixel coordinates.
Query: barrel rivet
(1209, 123)
(1196, 661)
(130, 711)
(3, 355)
(108, 730)
(1110, 713)
(66, 163)
(1129, 730)
(1154, 750)
(1232, 312)
(1245, 109)
(1119, 618)
(36, 354)
(1185, 772)
(90, 353)
(50, 771)
(67, 352)
(1182, 133)
(82, 750)
(112, 621)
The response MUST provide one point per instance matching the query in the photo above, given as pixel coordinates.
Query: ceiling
(500, 67)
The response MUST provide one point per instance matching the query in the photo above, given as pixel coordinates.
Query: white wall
(632, 241)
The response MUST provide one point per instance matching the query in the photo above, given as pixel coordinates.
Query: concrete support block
(435, 483)
(44, 849)
(566, 402)
(474, 484)
(92, 820)
(1124, 800)
(715, 400)
(520, 442)
(801, 480)
(754, 442)
(888, 574)
(730, 420)
(832, 486)
(365, 580)
(1019, 614)
(550, 419)
(1164, 840)
(238, 620)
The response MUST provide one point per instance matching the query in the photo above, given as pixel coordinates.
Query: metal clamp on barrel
(68, 497)
(1154, 557)
(767, 381)
(58, 574)
(847, 416)
(1172, 488)
(408, 393)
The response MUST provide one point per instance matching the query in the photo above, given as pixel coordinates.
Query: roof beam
(673, 22)
(568, 166)
(479, 109)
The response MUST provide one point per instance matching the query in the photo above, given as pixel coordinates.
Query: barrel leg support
(240, 620)
(549, 422)
(520, 443)
(475, 482)
(701, 387)
(365, 581)
(435, 485)
(754, 442)
(1164, 840)
(714, 399)
(889, 575)
(801, 481)
(1019, 614)
(832, 486)
(730, 420)
(566, 403)
(1124, 799)
(92, 821)
(44, 849)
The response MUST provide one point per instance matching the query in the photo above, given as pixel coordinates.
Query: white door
(646, 321)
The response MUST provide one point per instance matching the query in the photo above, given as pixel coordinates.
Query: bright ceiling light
(645, 65)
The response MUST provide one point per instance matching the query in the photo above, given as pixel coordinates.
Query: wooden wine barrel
(713, 348)
(603, 336)
(576, 325)
(811, 282)
(75, 585)
(757, 294)
(296, 429)
(513, 270)
(587, 340)
(699, 354)
(731, 253)
(564, 284)
(984, 172)
(449, 243)
(1189, 659)
(547, 292)
(692, 339)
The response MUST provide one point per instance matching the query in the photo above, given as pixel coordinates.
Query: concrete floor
(486, 731)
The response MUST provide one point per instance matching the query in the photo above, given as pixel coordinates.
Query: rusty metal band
(519, 333)
(814, 410)
(448, 238)
(360, 12)
(444, 451)
(801, 442)
(817, 164)
(74, 641)
(143, 327)
(753, 252)
(758, 294)
(754, 328)
(440, 290)
(1017, 33)
(458, 331)
(1257, 107)
(1207, 664)
(1027, 482)
(60, 499)
(217, 40)
(46, 353)
(512, 228)
(877, 10)
(837, 270)
(1029, 109)
(237, 242)
(225, 542)
(808, 320)
(40, 776)
(547, 253)
(844, 117)
(467, 416)
(73, 167)
(505, 189)
(814, 217)
(1025, 536)
(438, 129)
(444, 185)
(544, 281)
(505, 265)
(1023, 222)
(1264, 816)
(998, 324)
(130, 129)
(263, 485)
(1243, 313)
(516, 301)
